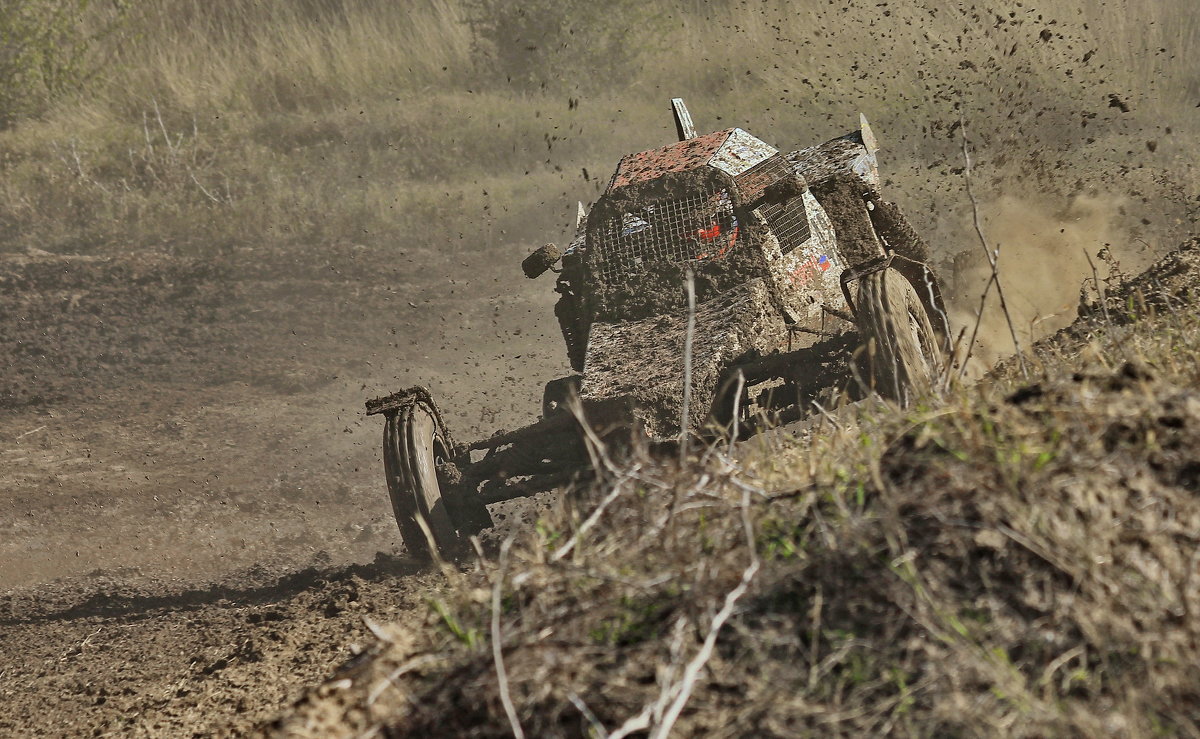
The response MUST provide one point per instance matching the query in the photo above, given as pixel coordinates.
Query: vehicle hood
(643, 361)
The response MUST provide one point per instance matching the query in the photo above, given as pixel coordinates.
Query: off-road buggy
(773, 281)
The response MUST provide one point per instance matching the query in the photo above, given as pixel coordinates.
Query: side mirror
(542, 259)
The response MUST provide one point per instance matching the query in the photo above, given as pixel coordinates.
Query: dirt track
(196, 523)
(154, 660)
(229, 424)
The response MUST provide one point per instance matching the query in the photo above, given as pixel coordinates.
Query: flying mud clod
(777, 245)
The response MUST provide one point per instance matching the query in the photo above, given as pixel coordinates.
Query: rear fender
(390, 405)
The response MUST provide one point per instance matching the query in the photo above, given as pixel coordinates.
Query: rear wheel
(414, 448)
(901, 349)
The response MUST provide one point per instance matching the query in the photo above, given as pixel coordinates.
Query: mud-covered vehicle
(718, 285)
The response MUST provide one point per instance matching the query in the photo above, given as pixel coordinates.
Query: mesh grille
(754, 180)
(667, 231)
(789, 225)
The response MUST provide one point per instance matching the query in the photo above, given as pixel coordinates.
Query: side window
(789, 224)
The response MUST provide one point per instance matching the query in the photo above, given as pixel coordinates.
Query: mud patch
(150, 662)
(842, 197)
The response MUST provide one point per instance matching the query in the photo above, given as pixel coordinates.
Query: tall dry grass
(401, 126)
(267, 58)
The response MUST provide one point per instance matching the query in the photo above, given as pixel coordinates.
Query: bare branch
(993, 257)
(677, 693)
(685, 411)
(688, 683)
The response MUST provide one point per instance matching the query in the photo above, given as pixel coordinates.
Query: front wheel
(414, 447)
(900, 348)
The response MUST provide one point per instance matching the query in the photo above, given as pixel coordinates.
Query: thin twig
(434, 552)
(815, 638)
(737, 398)
(827, 415)
(377, 630)
(597, 451)
(949, 376)
(684, 420)
(203, 189)
(146, 131)
(652, 712)
(497, 651)
(993, 256)
(962, 371)
(1061, 660)
(87, 640)
(390, 679)
(79, 169)
(163, 127)
(78, 161)
(594, 722)
(588, 523)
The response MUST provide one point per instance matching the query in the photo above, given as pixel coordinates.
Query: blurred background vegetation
(46, 51)
(459, 126)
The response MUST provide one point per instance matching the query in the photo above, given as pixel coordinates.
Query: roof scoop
(683, 120)
(868, 136)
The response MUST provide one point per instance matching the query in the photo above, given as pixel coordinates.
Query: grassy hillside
(1013, 559)
(205, 126)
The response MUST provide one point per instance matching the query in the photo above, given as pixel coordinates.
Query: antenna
(683, 120)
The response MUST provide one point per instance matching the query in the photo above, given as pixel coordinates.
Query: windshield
(668, 231)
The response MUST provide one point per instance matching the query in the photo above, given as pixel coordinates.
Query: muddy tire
(897, 233)
(414, 446)
(900, 355)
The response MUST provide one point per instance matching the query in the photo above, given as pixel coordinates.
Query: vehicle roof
(732, 151)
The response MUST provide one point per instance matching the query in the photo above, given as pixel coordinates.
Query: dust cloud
(1046, 255)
